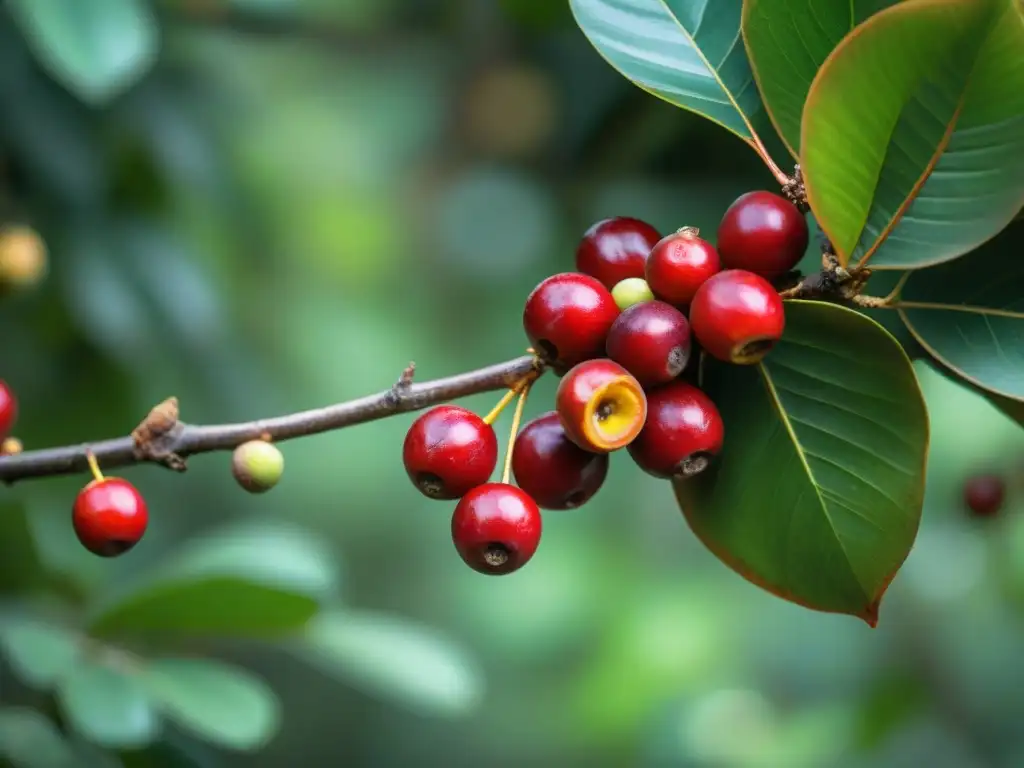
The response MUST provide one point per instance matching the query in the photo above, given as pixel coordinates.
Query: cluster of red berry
(621, 332)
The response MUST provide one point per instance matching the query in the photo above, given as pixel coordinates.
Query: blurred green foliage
(281, 209)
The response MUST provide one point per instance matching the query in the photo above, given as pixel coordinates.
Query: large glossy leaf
(258, 579)
(788, 41)
(97, 49)
(817, 496)
(687, 52)
(109, 706)
(969, 315)
(912, 139)
(216, 702)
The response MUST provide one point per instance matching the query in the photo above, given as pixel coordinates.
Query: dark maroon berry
(448, 451)
(567, 318)
(762, 233)
(651, 341)
(679, 265)
(552, 469)
(615, 249)
(683, 432)
(984, 494)
(496, 528)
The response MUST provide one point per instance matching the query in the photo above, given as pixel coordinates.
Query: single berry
(8, 409)
(615, 249)
(680, 264)
(984, 494)
(448, 451)
(651, 341)
(567, 318)
(683, 433)
(11, 446)
(737, 317)
(632, 290)
(762, 233)
(601, 406)
(496, 528)
(22, 258)
(257, 466)
(109, 516)
(552, 469)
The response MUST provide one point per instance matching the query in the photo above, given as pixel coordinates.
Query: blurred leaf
(890, 702)
(932, 165)
(40, 654)
(395, 658)
(108, 706)
(216, 702)
(969, 315)
(817, 496)
(687, 52)
(773, 28)
(251, 579)
(97, 49)
(29, 740)
(22, 567)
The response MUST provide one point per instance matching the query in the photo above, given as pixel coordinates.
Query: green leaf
(687, 52)
(96, 49)
(969, 315)
(817, 496)
(29, 740)
(394, 658)
(788, 41)
(214, 701)
(109, 706)
(40, 654)
(913, 134)
(254, 579)
(23, 569)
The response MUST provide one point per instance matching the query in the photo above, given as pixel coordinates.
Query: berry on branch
(449, 450)
(109, 515)
(496, 528)
(8, 409)
(683, 433)
(257, 466)
(615, 249)
(762, 233)
(737, 317)
(679, 265)
(602, 407)
(651, 341)
(553, 470)
(632, 290)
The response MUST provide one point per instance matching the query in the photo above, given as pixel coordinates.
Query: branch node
(401, 387)
(795, 191)
(156, 436)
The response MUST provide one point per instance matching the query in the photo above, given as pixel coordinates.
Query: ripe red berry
(567, 318)
(615, 249)
(109, 516)
(496, 528)
(553, 470)
(651, 341)
(762, 233)
(984, 494)
(680, 264)
(683, 433)
(737, 317)
(601, 406)
(449, 450)
(8, 409)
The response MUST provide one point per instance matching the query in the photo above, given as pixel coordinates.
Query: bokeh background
(300, 197)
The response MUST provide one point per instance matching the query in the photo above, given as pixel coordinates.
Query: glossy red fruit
(496, 528)
(680, 264)
(683, 433)
(552, 469)
(109, 516)
(984, 494)
(651, 341)
(567, 318)
(8, 410)
(448, 451)
(613, 250)
(737, 317)
(601, 405)
(762, 233)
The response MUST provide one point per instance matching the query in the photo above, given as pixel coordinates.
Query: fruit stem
(492, 417)
(516, 419)
(94, 465)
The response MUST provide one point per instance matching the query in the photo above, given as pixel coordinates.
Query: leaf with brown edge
(818, 492)
(912, 135)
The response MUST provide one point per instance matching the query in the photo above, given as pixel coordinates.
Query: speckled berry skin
(109, 516)
(496, 528)
(601, 405)
(651, 341)
(448, 451)
(683, 433)
(552, 469)
(680, 264)
(567, 317)
(737, 317)
(984, 495)
(8, 410)
(762, 233)
(615, 249)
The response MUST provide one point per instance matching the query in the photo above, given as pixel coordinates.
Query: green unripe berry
(632, 290)
(257, 466)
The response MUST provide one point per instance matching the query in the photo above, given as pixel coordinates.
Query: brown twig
(162, 439)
